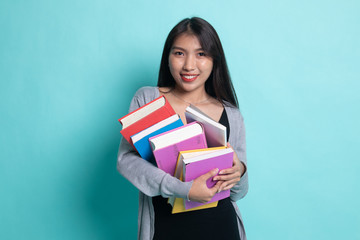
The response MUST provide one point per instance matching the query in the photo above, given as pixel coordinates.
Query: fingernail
(221, 172)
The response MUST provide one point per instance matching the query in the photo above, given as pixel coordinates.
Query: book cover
(166, 146)
(215, 132)
(192, 154)
(178, 203)
(199, 165)
(145, 117)
(179, 163)
(141, 143)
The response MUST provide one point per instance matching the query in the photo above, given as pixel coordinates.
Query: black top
(211, 223)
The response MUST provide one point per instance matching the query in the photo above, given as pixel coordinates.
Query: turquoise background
(68, 70)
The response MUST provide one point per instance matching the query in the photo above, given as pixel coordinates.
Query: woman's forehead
(187, 40)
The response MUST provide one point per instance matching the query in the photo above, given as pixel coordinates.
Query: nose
(190, 63)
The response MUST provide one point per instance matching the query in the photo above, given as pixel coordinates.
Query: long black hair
(219, 83)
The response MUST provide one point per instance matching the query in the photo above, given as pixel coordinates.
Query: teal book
(141, 139)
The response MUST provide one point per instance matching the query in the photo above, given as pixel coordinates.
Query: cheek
(172, 69)
(211, 65)
(172, 64)
(207, 66)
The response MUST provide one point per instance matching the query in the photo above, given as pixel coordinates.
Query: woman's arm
(149, 179)
(239, 145)
(231, 176)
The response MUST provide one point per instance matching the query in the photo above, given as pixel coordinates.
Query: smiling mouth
(188, 78)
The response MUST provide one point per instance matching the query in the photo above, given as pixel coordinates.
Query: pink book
(166, 146)
(199, 165)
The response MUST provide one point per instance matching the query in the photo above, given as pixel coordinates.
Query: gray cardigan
(152, 181)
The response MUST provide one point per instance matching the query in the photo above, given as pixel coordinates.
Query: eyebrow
(182, 49)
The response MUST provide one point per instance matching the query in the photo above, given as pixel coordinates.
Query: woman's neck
(197, 96)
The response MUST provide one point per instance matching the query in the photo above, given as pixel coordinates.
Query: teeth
(189, 77)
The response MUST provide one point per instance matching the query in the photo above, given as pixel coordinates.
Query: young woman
(193, 71)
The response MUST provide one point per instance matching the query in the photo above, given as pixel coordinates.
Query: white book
(154, 128)
(190, 158)
(215, 132)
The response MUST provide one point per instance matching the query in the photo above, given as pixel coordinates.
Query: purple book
(166, 146)
(197, 166)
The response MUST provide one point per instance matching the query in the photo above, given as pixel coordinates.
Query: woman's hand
(230, 176)
(199, 192)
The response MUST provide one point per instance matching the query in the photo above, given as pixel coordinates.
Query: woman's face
(188, 63)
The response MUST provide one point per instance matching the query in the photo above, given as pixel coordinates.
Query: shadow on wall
(112, 200)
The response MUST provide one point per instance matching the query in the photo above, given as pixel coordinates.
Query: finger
(215, 188)
(228, 174)
(227, 177)
(228, 170)
(219, 183)
(210, 174)
(223, 185)
(235, 159)
(235, 167)
(232, 181)
(228, 187)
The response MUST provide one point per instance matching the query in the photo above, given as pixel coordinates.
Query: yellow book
(178, 203)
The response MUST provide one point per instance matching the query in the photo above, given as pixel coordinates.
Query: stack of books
(194, 163)
(149, 120)
(184, 151)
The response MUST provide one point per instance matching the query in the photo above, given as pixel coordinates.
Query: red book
(145, 116)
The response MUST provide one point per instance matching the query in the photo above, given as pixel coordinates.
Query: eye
(179, 53)
(201, 54)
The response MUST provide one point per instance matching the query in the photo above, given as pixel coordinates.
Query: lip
(189, 77)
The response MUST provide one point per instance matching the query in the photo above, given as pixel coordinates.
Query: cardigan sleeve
(239, 144)
(149, 179)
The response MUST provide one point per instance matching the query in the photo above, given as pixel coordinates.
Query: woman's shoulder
(147, 92)
(143, 95)
(232, 110)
